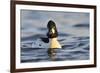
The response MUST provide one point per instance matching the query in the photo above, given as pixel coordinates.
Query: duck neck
(54, 43)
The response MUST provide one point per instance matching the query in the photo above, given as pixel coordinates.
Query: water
(73, 48)
(73, 36)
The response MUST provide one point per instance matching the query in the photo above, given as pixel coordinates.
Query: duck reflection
(52, 54)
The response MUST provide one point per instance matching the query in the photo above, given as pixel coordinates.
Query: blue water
(73, 35)
(73, 48)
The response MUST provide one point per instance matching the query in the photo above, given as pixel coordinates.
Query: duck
(52, 35)
(51, 40)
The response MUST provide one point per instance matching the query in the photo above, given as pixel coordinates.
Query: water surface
(73, 35)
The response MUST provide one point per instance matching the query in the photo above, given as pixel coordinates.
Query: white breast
(54, 43)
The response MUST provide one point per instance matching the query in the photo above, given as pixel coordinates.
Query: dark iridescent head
(52, 30)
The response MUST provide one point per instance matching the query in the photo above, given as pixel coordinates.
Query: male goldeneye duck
(51, 40)
(52, 35)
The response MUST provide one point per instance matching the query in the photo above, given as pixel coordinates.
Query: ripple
(81, 38)
(78, 52)
(81, 25)
(76, 49)
(42, 29)
(63, 34)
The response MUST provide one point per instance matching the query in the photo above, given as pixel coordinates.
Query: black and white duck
(51, 40)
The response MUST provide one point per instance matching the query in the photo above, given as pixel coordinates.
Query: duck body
(46, 43)
(54, 43)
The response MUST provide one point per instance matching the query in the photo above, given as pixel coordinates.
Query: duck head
(52, 30)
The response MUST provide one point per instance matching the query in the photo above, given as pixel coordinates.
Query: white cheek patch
(53, 31)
